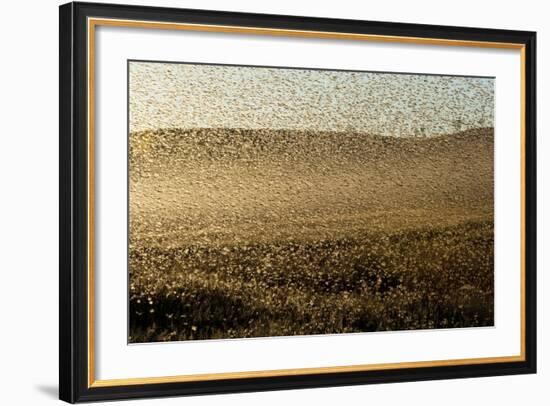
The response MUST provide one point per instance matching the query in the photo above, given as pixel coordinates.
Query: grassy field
(241, 233)
(434, 278)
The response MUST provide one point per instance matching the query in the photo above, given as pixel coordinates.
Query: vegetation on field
(419, 279)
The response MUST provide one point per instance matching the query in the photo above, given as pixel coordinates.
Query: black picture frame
(74, 385)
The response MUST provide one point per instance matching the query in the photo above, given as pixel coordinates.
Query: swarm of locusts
(253, 233)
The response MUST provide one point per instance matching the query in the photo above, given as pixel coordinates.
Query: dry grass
(431, 278)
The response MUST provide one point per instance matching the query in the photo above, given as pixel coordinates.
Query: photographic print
(287, 202)
(269, 201)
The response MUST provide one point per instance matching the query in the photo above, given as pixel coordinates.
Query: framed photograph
(256, 202)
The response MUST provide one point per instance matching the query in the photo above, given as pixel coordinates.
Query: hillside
(219, 186)
(269, 233)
